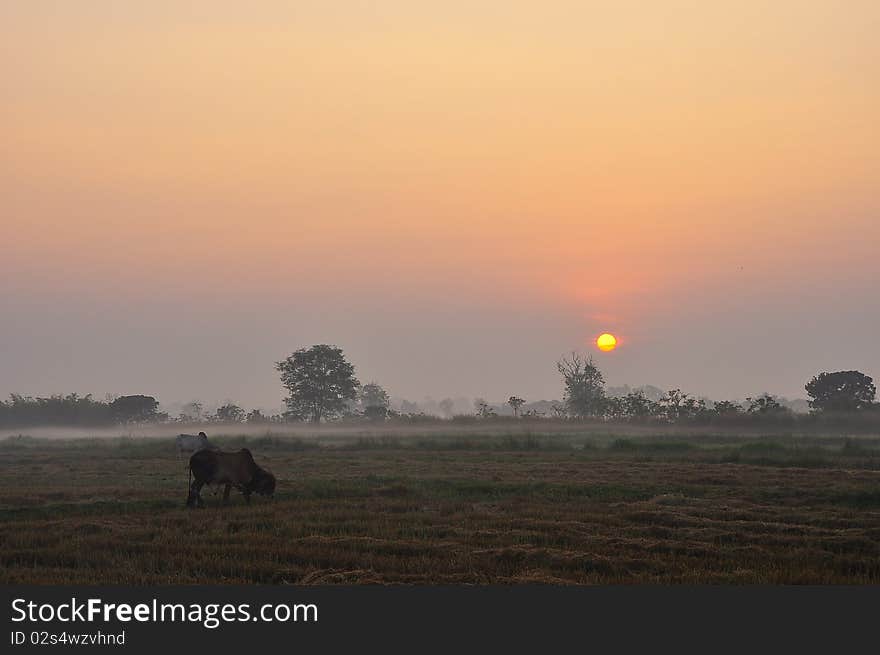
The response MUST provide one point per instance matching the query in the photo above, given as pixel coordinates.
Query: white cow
(190, 443)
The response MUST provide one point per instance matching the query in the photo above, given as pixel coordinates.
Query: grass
(455, 507)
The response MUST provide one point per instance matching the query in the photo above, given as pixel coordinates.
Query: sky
(456, 193)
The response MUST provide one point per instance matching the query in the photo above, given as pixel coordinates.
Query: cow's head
(263, 482)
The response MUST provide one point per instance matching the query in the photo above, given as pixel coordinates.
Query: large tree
(842, 391)
(584, 386)
(135, 409)
(319, 380)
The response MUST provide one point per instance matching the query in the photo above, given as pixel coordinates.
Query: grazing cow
(190, 443)
(236, 469)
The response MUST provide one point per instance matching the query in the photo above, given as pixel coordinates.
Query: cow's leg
(226, 494)
(195, 498)
(247, 496)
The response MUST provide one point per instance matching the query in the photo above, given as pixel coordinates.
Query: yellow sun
(606, 342)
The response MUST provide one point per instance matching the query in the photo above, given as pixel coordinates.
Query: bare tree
(584, 386)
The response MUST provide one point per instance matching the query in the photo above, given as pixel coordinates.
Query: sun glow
(606, 342)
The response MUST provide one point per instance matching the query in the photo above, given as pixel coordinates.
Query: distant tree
(615, 408)
(447, 407)
(679, 406)
(673, 404)
(515, 403)
(584, 386)
(637, 406)
(693, 409)
(727, 408)
(230, 413)
(376, 412)
(765, 404)
(71, 409)
(842, 391)
(319, 380)
(558, 410)
(256, 416)
(191, 412)
(483, 409)
(134, 409)
(374, 401)
(373, 395)
(409, 407)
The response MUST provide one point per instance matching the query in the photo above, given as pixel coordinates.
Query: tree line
(838, 393)
(75, 410)
(322, 386)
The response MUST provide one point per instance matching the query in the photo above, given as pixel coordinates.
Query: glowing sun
(606, 342)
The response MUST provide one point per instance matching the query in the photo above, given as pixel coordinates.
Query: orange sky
(628, 166)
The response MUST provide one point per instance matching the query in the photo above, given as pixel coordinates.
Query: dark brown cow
(236, 469)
